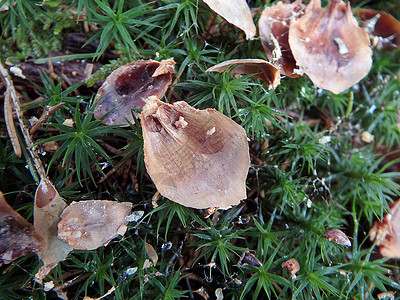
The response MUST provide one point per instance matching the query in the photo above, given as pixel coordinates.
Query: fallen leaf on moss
(264, 70)
(17, 235)
(90, 224)
(236, 12)
(129, 85)
(197, 158)
(46, 215)
(329, 46)
(385, 26)
(387, 233)
(274, 33)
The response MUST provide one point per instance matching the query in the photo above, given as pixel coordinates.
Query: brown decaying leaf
(129, 85)
(265, 71)
(291, 265)
(46, 215)
(90, 224)
(386, 26)
(387, 232)
(274, 32)
(337, 236)
(17, 235)
(329, 46)
(236, 12)
(198, 158)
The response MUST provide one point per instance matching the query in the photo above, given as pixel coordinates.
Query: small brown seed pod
(337, 236)
(291, 265)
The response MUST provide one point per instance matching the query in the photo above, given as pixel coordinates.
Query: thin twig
(8, 111)
(45, 116)
(25, 131)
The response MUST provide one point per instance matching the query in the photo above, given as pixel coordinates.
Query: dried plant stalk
(8, 116)
(387, 233)
(25, 132)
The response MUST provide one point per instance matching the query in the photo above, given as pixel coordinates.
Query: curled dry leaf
(387, 233)
(274, 32)
(17, 235)
(236, 12)
(198, 158)
(337, 236)
(383, 26)
(46, 215)
(329, 46)
(129, 85)
(291, 265)
(265, 71)
(90, 224)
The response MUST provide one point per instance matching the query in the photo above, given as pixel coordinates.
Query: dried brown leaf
(387, 233)
(90, 224)
(198, 158)
(386, 26)
(46, 215)
(129, 85)
(17, 235)
(329, 46)
(265, 71)
(236, 12)
(274, 32)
